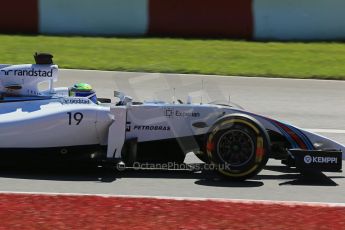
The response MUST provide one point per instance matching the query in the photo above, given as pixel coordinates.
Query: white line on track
(336, 131)
(244, 201)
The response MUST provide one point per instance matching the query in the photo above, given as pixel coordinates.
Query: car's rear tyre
(238, 146)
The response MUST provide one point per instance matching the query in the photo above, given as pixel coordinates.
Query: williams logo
(28, 72)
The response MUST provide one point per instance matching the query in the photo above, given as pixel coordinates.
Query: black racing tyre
(238, 146)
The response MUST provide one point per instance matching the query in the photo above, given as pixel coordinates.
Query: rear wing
(24, 80)
(4, 65)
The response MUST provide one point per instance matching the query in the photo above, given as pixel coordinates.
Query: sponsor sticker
(146, 127)
(28, 72)
(323, 161)
(151, 127)
(128, 126)
(75, 101)
(320, 160)
(169, 112)
(186, 114)
(307, 159)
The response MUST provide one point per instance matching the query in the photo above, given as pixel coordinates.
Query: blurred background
(245, 19)
(290, 38)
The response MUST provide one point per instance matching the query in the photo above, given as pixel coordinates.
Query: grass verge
(223, 57)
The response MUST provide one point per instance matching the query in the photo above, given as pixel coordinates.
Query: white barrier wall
(93, 17)
(299, 19)
(250, 19)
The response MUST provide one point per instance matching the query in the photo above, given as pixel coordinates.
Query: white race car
(73, 124)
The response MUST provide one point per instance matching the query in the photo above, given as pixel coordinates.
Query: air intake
(43, 58)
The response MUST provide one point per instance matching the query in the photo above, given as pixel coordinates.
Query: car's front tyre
(238, 146)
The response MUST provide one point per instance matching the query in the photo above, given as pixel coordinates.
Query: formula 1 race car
(73, 124)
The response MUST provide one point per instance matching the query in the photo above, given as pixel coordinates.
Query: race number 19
(75, 118)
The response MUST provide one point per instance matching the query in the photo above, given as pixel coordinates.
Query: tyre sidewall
(259, 138)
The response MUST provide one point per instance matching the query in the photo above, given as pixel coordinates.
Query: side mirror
(119, 95)
(124, 99)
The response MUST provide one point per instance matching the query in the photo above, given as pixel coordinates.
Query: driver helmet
(83, 90)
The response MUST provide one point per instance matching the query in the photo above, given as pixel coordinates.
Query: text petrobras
(28, 72)
(152, 127)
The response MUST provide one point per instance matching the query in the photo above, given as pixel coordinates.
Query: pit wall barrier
(19, 16)
(90, 17)
(299, 19)
(239, 19)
